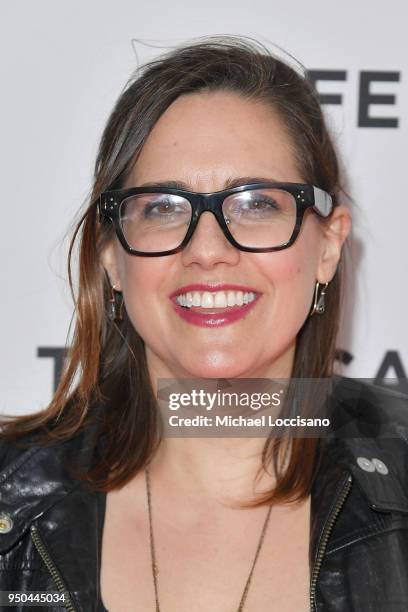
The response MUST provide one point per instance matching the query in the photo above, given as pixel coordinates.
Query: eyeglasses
(259, 217)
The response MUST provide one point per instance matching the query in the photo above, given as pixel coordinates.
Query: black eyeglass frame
(306, 196)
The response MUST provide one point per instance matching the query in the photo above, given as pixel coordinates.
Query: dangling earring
(319, 303)
(114, 314)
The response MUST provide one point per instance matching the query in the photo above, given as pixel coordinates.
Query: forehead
(207, 137)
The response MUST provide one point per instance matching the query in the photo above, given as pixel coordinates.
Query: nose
(208, 245)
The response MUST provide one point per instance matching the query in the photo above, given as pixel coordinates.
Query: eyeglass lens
(259, 218)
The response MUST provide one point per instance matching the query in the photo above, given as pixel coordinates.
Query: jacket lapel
(367, 423)
(38, 479)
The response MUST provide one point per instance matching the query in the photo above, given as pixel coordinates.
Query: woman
(243, 283)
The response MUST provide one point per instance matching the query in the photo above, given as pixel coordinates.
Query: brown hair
(108, 358)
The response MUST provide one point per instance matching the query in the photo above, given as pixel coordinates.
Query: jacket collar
(38, 478)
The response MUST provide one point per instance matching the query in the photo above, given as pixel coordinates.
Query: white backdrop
(63, 64)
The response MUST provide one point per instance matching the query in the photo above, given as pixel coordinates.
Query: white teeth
(231, 298)
(220, 301)
(207, 300)
(217, 299)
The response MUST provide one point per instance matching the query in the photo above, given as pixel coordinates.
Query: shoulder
(369, 438)
(14, 452)
(38, 447)
(363, 407)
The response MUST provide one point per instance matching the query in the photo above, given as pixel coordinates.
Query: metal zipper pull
(55, 575)
(345, 490)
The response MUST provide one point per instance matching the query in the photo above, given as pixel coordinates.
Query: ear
(335, 231)
(109, 262)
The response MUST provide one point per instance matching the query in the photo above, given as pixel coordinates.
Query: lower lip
(214, 319)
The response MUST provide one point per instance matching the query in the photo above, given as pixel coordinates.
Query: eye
(262, 201)
(262, 204)
(159, 207)
(256, 205)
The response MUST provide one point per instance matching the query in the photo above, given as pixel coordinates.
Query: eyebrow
(229, 183)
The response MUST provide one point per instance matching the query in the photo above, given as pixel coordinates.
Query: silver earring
(319, 302)
(115, 313)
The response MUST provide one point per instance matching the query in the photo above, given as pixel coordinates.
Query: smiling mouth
(214, 308)
(212, 302)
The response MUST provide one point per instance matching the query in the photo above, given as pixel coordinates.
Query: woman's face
(205, 140)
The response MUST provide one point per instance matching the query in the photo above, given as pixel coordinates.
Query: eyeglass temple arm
(323, 201)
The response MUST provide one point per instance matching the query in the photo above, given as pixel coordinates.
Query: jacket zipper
(325, 538)
(56, 576)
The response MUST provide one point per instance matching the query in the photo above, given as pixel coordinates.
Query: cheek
(141, 281)
(292, 268)
(291, 275)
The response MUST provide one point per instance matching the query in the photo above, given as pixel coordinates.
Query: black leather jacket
(51, 526)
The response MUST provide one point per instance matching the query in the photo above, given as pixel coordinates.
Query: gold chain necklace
(155, 569)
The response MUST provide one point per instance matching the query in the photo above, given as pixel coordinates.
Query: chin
(218, 366)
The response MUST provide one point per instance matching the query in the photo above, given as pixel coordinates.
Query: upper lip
(211, 287)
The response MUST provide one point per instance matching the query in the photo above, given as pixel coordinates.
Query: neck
(221, 471)
(214, 470)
